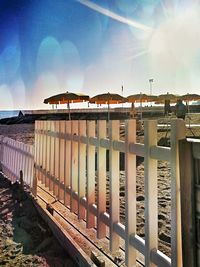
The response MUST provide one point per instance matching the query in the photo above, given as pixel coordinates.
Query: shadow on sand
(25, 239)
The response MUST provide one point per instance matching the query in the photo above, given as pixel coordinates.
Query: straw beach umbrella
(189, 97)
(66, 98)
(108, 98)
(137, 98)
(140, 98)
(167, 97)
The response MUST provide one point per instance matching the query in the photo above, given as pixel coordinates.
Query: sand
(25, 133)
(25, 240)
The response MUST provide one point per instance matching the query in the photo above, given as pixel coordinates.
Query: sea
(8, 113)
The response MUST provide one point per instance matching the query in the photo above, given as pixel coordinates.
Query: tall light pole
(122, 94)
(150, 83)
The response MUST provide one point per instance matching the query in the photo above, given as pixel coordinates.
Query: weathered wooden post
(151, 205)
(187, 203)
(178, 132)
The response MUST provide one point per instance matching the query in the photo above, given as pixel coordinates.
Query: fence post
(90, 174)
(39, 150)
(81, 168)
(36, 158)
(178, 132)
(150, 187)
(187, 203)
(52, 155)
(74, 167)
(101, 179)
(114, 184)
(48, 137)
(67, 197)
(44, 153)
(130, 193)
(62, 162)
(57, 160)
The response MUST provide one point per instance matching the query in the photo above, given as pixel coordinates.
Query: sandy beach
(25, 133)
(25, 240)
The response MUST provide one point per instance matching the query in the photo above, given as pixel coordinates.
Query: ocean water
(8, 113)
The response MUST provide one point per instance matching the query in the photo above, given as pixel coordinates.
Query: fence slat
(90, 174)
(114, 184)
(52, 156)
(67, 198)
(74, 167)
(62, 161)
(44, 152)
(101, 180)
(41, 149)
(81, 169)
(187, 203)
(130, 193)
(47, 180)
(150, 187)
(57, 161)
(178, 132)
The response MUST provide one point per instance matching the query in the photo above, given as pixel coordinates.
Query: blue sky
(48, 47)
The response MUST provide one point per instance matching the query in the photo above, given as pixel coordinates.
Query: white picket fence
(65, 163)
(15, 157)
(63, 159)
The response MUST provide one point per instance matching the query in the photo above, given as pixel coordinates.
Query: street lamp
(150, 83)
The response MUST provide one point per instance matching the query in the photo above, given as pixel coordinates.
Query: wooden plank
(17, 159)
(9, 153)
(196, 150)
(26, 165)
(187, 203)
(12, 160)
(150, 186)
(44, 139)
(47, 181)
(160, 153)
(45, 153)
(81, 168)
(74, 167)
(24, 158)
(57, 160)
(62, 161)
(52, 155)
(178, 132)
(114, 185)
(137, 149)
(32, 164)
(101, 180)
(160, 259)
(90, 221)
(39, 157)
(130, 193)
(67, 199)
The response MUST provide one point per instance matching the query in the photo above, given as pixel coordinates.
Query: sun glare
(178, 37)
(114, 16)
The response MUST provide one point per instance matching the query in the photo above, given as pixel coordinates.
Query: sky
(91, 46)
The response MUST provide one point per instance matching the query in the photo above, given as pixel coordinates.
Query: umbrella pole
(141, 110)
(188, 107)
(69, 110)
(108, 111)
